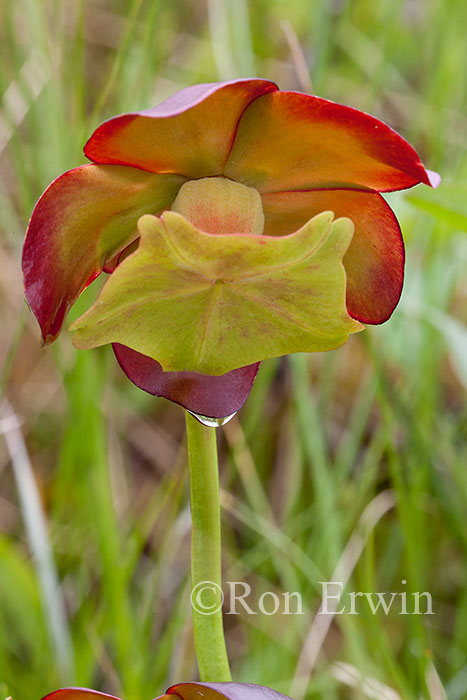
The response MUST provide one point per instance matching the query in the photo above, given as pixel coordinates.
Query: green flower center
(219, 205)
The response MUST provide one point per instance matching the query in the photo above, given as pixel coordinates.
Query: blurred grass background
(356, 459)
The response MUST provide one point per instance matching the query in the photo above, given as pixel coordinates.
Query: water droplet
(212, 422)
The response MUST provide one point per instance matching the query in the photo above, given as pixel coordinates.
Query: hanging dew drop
(212, 422)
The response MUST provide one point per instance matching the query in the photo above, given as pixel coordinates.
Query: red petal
(78, 694)
(292, 141)
(82, 220)
(229, 691)
(189, 133)
(215, 397)
(375, 260)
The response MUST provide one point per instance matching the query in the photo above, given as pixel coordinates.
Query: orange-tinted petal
(190, 133)
(82, 220)
(215, 397)
(374, 262)
(292, 141)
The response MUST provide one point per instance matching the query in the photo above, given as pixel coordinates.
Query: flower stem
(206, 580)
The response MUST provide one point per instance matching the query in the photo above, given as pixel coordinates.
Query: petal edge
(324, 144)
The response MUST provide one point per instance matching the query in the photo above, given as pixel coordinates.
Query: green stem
(206, 578)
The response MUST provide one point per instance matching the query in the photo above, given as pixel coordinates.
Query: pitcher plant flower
(183, 691)
(238, 222)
